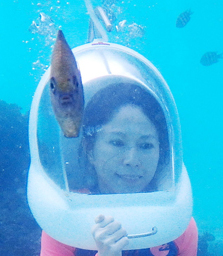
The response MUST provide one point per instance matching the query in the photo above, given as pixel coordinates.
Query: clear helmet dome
(63, 188)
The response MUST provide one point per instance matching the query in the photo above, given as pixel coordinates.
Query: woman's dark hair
(106, 102)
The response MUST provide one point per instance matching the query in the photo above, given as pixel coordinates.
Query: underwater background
(28, 31)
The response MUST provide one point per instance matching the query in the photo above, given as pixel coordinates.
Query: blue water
(176, 52)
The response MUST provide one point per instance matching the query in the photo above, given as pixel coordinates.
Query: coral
(208, 245)
(20, 233)
(216, 248)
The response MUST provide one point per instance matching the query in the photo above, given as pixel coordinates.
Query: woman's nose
(131, 158)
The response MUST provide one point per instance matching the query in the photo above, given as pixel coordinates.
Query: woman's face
(126, 152)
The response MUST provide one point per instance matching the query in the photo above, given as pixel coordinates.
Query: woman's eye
(146, 146)
(117, 143)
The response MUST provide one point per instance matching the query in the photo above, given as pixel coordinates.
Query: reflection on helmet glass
(48, 146)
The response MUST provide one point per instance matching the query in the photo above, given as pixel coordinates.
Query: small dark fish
(208, 236)
(183, 19)
(210, 58)
(66, 89)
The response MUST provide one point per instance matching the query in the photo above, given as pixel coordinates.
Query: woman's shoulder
(185, 245)
(50, 246)
(188, 241)
(190, 233)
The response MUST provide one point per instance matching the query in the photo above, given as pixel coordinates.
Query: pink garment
(186, 245)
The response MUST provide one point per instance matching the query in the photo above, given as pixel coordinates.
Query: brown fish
(66, 89)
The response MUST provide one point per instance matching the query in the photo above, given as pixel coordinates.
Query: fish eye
(52, 84)
(75, 82)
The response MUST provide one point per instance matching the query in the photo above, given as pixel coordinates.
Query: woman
(124, 149)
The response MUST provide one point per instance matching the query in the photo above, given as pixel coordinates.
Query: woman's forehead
(130, 120)
(130, 113)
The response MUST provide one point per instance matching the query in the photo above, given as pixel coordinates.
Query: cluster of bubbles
(50, 16)
(133, 30)
(43, 29)
(124, 31)
(45, 26)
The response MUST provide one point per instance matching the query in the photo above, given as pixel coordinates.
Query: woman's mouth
(129, 178)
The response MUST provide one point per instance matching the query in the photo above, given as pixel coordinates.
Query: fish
(183, 19)
(66, 88)
(210, 58)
